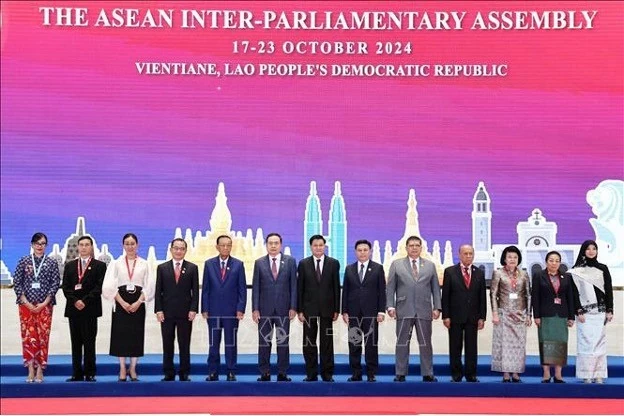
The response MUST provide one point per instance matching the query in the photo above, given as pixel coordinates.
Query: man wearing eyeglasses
(176, 303)
(224, 296)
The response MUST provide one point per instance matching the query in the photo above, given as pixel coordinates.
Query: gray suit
(414, 300)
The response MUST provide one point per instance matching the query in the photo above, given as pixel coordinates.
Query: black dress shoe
(90, 379)
(430, 379)
(283, 377)
(328, 379)
(168, 378)
(231, 377)
(456, 379)
(184, 377)
(371, 378)
(213, 377)
(545, 380)
(472, 379)
(74, 378)
(308, 378)
(122, 379)
(265, 377)
(516, 380)
(559, 380)
(400, 379)
(506, 380)
(355, 377)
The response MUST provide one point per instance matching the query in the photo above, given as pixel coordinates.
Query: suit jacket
(91, 290)
(368, 298)
(543, 297)
(459, 303)
(274, 297)
(413, 298)
(318, 298)
(224, 297)
(176, 300)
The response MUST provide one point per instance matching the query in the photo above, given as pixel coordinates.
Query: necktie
(222, 271)
(84, 264)
(466, 276)
(177, 271)
(415, 269)
(361, 272)
(318, 269)
(274, 268)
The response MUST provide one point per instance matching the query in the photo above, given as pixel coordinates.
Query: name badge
(130, 287)
(35, 285)
(557, 301)
(513, 296)
(78, 287)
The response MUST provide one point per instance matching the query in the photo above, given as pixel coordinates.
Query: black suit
(363, 301)
(465, 307)
(176, 300)
(318, 301)
(83, 323)
(543, 297)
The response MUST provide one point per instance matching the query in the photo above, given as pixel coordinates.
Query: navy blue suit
(273, 298)
(221, 299)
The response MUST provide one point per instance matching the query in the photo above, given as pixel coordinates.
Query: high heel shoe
(134, 377)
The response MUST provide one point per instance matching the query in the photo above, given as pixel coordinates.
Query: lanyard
(513, 277)
(37, 270)
(553, 286)
(130, 272)
(82, 272)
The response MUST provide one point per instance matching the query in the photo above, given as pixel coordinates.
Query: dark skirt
(553, 341)
(128, 329)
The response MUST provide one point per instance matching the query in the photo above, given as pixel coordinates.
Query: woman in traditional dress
(36, 281)
(592, 282)
(554, 307)
(511, 314)
(129, 284)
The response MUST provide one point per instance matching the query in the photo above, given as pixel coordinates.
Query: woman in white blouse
(129, 284)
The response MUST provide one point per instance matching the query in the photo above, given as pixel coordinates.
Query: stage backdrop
(490, 123)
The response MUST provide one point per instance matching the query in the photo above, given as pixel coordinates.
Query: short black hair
(358, 242)
(510, 249)
(38, 236)
(130, 235)
(266, 240)
(223, 236)
(413, 238)
(86, 237)
(179, 239)
(551, 253)
(317, 237)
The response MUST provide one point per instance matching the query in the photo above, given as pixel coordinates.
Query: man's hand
(192, 315)
(335, 316)
(447, 323)
(301, 317)
(480, 324)
(160, 316)
(240, 315)
(80, 305)
(435, 314)
(291, 314)
(345, 318)
(255, 316)
(392, 313)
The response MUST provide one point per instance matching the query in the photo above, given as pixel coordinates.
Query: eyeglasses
(41, 243)
(225, 245)
(414, 245)
(178, 248)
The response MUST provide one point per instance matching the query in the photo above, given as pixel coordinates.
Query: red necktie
(222, 271)
(177, 272)
(274, 268)
(466, 276)
(415, 269)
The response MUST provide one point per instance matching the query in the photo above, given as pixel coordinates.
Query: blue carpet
(12, 376)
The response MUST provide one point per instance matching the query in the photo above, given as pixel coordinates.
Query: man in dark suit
(363, 306)
(224, 296)
(318, 303)
(82, 286)
(413, 298)
(274, 305)
(463, 312)
(176, 302)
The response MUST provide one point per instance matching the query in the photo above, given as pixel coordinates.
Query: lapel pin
(228, 268)
(369, 269)
(89, 268)
(183, 271)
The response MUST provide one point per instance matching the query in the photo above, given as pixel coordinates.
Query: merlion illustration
(607, 203)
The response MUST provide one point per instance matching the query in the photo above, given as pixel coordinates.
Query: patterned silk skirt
(509, 342)
(128, 329)
(553, 341)
(591, 350)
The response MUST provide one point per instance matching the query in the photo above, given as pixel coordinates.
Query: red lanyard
(130, 272)
(82, 272)
(555, 289)
(514, 279)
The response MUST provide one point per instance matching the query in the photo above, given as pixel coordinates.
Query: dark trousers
(83, 330)
(460, 334)
(229, 326)
(310, 353)
(266, 326)
(363, 330)
(168, 330)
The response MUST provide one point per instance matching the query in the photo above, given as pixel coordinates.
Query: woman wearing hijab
(592, 282)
